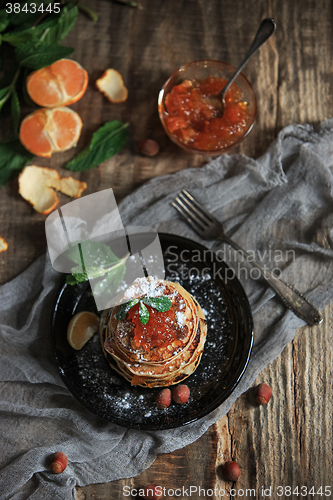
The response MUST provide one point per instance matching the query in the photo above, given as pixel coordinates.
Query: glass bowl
(196, 128)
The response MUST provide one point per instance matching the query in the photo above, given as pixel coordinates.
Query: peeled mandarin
(60, 84)
(81, 328)
(48, 131)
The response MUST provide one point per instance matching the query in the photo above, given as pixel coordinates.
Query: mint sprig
(161, 304)
(99, 262)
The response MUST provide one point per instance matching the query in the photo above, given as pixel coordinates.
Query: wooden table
(287, 443)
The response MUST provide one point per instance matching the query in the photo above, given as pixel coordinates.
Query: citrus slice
(81, 328)
(3, 245)
(111, 84)
(37, 185)
(48, 131)
(60, 84)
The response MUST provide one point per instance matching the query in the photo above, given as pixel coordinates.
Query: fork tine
(188, 209)
(193, 222)
(188, 203)
(190, 214)
(195, 205)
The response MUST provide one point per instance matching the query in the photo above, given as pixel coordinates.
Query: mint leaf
(143, 313)
(124, 308)
(161, 304)
(65, 22)
(13, 157)
(25, 17)
(80, 277)
(71, 280)
(37, 56)
(4, 20)
(54, 29)
(105, 143)
(96, 254)
(95, 272)
(4, 95)
(111, 280)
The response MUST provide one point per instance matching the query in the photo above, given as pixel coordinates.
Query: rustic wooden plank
(287, 443)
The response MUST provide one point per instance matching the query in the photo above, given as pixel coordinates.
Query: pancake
(168, 348)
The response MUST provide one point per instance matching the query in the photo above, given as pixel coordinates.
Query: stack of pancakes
(156, 354)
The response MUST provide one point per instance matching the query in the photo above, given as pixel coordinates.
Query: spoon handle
(265, 30)
(292, 298)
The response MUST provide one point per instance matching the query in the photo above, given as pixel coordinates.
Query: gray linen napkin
(254, 198)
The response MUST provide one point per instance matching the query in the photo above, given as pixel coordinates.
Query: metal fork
(209, 228)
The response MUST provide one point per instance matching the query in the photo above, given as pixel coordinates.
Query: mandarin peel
(3, 245)
(60, 84)
(37, 185)
(111, 84)
(47, 131)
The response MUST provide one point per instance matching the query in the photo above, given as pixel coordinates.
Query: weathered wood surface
(289, 442)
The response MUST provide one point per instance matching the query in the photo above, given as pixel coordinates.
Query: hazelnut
(58, 463)
(152, 492)
(263, 394)
(231, 471)
(180, 394)
(163, 399)
(149, 147)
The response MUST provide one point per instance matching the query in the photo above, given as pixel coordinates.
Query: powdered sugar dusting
(144, 287)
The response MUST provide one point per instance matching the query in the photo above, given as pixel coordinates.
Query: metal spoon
(265, 30)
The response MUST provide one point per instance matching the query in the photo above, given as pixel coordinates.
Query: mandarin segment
(48, 131)
(66, 128)
(37, 185)
(81, 328)
(62, 83)
(111, 84)
(33, 134)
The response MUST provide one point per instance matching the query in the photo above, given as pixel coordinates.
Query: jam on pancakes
(161, 330)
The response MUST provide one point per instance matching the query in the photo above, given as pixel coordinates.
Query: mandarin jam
(160, 331)
(194, 121)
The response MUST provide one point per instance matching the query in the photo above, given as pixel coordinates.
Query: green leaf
(111, 281)
(24, 18)
(143, 313)
(27, 35)
(50, 31)
(37, 56)
(124, 308)
(105, 143)
(96, 254)
(161, 304)
(13, 157)
(4, 20)
(71, 280)
(66, 21)
(4, 95)
(80, 277)
(15, 108)
(95, 272)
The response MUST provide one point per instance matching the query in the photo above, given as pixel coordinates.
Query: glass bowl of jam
(189, 116)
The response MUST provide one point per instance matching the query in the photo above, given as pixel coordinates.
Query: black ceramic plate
(226, 354)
